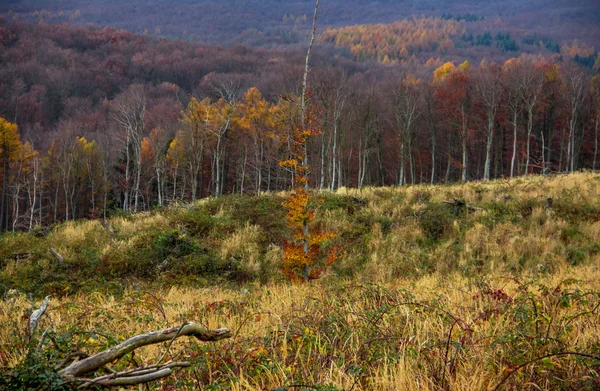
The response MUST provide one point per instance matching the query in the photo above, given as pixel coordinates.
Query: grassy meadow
(475, 286)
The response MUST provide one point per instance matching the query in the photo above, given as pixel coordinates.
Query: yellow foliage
(10, 140)
(441, 73)
(465, 66)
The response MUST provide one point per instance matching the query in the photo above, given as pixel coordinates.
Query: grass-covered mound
(386, 233)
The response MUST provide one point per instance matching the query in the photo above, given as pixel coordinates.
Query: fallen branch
(56, 255)
(107, 227)
(37, 314)
(134, 376)
(96, 361)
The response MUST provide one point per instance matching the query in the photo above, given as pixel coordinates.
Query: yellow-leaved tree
(441, 73)
(257, 121)
(10, 149)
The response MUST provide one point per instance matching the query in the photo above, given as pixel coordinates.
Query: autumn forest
(98, 119)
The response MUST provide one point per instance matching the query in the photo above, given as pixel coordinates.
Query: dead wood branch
(37, 314)
(96, 361)
(134, 376)
(56, 255)
(107, 227)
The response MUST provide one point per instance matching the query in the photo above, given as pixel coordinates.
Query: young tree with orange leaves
(302, 254)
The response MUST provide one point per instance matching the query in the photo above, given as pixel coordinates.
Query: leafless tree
(128, 110)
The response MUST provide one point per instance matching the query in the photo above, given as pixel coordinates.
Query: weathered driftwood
(56, 255)
(99, 360)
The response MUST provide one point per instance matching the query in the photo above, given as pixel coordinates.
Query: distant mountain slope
(277, 22)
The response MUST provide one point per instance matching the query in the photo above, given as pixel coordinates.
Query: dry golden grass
(405, 311)
(348, 335)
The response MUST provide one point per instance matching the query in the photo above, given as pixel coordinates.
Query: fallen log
(98, 360)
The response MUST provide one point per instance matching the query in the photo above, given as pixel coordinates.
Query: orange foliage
(577, 49)
(395, 41)
(302, 254)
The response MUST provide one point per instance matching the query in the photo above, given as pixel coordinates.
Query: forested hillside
(106, 119)
(275, 22)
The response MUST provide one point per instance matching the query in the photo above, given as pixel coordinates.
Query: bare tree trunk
(334, 155)
(514, 154)
(127, 172)
(488, 147)
(32, 200)
(159, 186)
(544, 168)
(138, 163)
(529, 131)
(304, 86)
(322, 181)
(570, 146)
(402, 175)
(360, 157)
(463, 135)
(411, 161)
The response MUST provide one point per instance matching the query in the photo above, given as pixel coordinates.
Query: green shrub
(436, 220)
(196, 221)
(33, 373)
